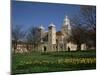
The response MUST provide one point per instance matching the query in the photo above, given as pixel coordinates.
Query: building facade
(57, 40)
(52, 40)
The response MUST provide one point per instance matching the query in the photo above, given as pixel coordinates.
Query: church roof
(59, 33)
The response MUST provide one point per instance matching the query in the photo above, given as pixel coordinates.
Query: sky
(28, 14)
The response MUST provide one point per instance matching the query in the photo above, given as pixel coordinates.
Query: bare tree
(84, 26)
(33, 36)
(78, 33)
(79, 36)
(89, 16)
(17, 34)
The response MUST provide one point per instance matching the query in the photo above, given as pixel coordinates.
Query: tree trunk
(27, 46)
(68, 49)
(15, 46)
(78, 47)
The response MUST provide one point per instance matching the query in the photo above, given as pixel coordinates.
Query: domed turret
(41, 27)
(51, 25)
(52, 37)
(41, 33)
(52, 34)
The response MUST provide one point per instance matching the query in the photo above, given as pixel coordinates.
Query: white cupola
(51, 25)
(41, 27)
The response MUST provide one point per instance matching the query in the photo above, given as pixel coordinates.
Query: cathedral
(51, 40)
(57, 41)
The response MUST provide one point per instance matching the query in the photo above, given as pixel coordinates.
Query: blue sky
(30, 14)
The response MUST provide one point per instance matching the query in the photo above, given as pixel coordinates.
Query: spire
(66, 23)
(66, 20)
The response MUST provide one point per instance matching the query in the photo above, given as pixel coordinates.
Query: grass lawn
(36, 62)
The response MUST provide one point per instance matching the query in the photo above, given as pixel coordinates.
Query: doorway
(44, 48)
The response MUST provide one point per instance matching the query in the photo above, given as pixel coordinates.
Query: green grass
(36, 62)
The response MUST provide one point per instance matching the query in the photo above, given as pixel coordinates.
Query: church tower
(66, 31)
(41, 35)
(66, 28)
(41, 30)
(52, 37)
